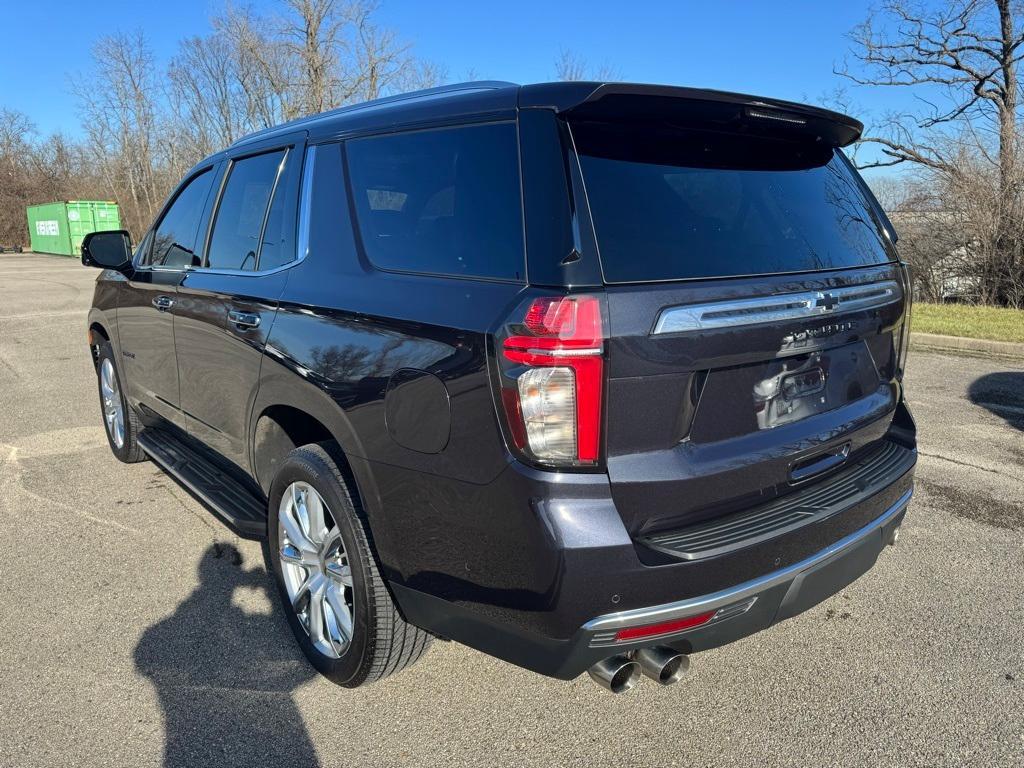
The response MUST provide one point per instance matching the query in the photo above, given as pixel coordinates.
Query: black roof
(582, 99)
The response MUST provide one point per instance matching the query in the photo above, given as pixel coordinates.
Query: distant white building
(951, 271)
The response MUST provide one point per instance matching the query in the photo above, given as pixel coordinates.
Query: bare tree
(960, 60)
(206, 94)
(15, 130)
(418, 74)
(16, 133)
(317, 55)
(931, 238)
(969, 50)
(314, 36)
(35, 171)
(58, 170)
(120, 107)
(145, 124)
(377, 63)
(264, 69)
(571, 66)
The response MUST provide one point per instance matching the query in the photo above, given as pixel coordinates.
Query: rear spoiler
(706, 108)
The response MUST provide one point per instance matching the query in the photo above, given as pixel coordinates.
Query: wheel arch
(278, 430)
(101, 323)
(98, 334)
(289, 408)
(287, 414)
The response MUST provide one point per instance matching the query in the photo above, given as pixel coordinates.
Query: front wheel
(119, 420)
(318, 549)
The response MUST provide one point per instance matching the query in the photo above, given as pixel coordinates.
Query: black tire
(129, 451)
(382, 642)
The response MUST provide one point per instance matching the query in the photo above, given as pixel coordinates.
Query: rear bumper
(740, 610)
(779, 595)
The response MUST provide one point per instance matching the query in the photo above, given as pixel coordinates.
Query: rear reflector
(665, 628)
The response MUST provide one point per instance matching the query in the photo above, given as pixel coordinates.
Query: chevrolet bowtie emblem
(827, 301)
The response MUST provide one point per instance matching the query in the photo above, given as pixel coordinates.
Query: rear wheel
(119, 420)
(318, 548)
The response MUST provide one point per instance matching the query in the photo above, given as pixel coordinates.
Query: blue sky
(774, 49)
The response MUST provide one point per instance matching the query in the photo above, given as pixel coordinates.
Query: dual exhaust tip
(619, 674)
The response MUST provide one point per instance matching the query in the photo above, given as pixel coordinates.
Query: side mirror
(107, 250)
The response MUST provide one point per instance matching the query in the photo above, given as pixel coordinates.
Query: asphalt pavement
(136, 630)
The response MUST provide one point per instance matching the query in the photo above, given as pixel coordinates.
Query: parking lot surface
(136, 630)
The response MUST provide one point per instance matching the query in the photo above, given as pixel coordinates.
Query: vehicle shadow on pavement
(1002, 394)
(225, 676)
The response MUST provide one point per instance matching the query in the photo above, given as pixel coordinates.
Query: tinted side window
(235, 243)
(442, 202)
(174, 241)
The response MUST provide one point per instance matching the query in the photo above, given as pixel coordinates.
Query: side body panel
(103, 312)
(146, 309)
(146, 334)
(218, 361)
(342, 333)
(224, 316)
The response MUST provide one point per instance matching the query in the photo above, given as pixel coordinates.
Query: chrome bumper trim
(704, 603)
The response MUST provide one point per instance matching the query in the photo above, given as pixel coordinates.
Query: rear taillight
(552, 373)
(904, 343)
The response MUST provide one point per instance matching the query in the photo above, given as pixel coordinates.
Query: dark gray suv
(587, 376)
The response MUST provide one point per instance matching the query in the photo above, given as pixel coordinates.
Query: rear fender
(280, 386)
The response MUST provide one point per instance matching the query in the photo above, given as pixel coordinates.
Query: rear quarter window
(441, 202)
(672, 204)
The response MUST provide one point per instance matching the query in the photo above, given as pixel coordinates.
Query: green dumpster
(60, 227)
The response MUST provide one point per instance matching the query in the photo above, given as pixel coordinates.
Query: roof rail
(426, 93)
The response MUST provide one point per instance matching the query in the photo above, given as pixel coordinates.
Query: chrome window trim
(288, 152)
(671, 611)
(151, 268)
(779, 307)
(305, 197)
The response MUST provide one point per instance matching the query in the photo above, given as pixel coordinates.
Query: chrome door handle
(163, 303)
(244, 321)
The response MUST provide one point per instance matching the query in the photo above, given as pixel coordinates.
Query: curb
(966, 346)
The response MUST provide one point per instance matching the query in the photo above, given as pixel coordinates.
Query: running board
(235, 503)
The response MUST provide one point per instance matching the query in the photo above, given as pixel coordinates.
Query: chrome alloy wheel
(113, 411)
(316, 570)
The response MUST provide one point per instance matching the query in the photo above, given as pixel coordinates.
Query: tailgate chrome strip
(772, 309)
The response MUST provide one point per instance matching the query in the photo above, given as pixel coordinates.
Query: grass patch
(995, 323)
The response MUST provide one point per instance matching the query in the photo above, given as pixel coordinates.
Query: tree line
(145, 124)
(959, 206)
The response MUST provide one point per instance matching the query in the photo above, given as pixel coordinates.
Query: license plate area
(743, 399)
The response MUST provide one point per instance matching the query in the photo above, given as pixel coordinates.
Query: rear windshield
(670, 203)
